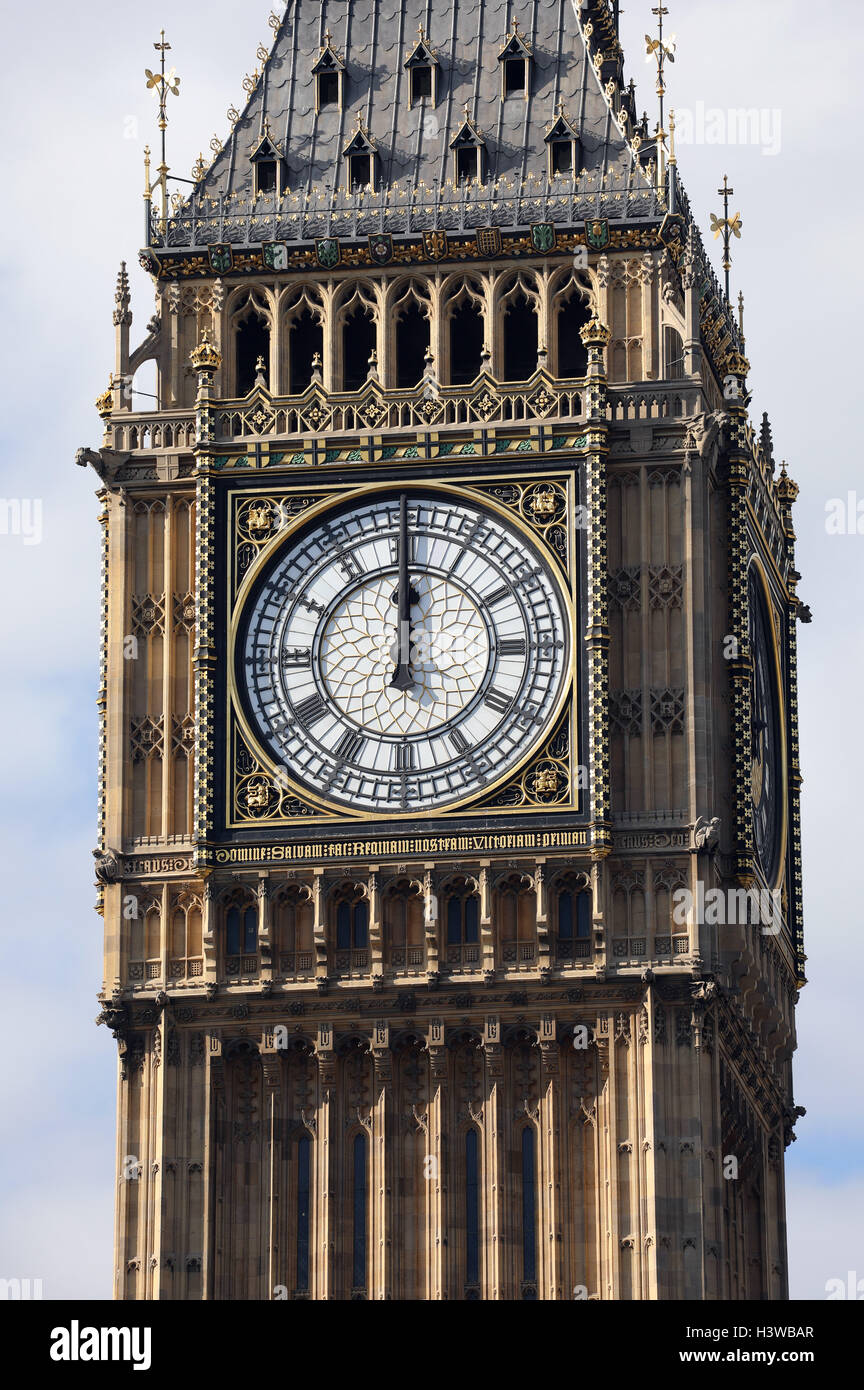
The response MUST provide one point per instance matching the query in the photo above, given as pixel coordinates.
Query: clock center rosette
(449, 651)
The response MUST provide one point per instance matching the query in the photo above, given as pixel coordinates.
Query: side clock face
(404, 652)
(766, 753)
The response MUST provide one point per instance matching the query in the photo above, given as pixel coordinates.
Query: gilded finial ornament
(661, 53)
(726, 227)
(164, 84)
(787, 489)
(595, 333)
(206, 357)
(105, 402)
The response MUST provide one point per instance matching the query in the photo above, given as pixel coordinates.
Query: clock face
(404, 652)
(766, 755)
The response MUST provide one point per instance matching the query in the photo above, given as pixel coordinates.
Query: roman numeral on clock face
(297, 658)
(311, 605)
(459, 741)
(350, 746)
(405, 757)
(512, 646)
(496, 596)
(349, 566)
(310, 710)
(495, 700)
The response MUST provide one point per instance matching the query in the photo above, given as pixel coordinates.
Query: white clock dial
(405, 652)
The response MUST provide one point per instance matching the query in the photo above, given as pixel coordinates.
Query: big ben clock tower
(449, 749)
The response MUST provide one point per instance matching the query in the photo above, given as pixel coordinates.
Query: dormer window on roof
(268, 165)
(562, 142)
(469, 151)
(516, 59)
(360, 155)
(423, 68)
(329, 73)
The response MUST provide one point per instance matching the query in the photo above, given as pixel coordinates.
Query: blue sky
(72, 183)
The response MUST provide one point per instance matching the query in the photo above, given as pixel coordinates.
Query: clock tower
(448, 850)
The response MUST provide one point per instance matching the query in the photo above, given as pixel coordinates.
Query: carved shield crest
(488, 241)
(381, 248)
(221, 258)
(329, 252)
(597, 234)
(275, 255)
(543, 237)
(435, 245)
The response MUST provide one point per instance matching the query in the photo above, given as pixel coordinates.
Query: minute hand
(402, 678)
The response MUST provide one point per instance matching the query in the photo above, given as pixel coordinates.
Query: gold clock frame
(316, 809)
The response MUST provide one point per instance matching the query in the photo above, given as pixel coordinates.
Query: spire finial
(726, 227)
(165, 85)
(661, 53)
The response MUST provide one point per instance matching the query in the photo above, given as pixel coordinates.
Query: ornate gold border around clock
(780, 700)
(564, 719)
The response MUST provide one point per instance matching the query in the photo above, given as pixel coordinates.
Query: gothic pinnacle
(122, 298)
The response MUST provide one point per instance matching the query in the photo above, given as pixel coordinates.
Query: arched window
(573, 314)
(305, 345)
(351, 929)
(403, 909)
(185, 954)
(251, 345)
(462, 919)
(241, 936)
(304, 1197)
(472, 1215)
(520, 339)
(467, 333)
(145, 939)
(516, 919)
(571, 898)
(293, 931)
(359, 341)
(412, 344)
(358, 1223)
(628, 914)
(529, 1213)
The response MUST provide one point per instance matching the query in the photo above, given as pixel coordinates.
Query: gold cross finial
(726, 227)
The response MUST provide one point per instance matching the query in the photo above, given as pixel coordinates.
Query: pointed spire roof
(367, 41)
